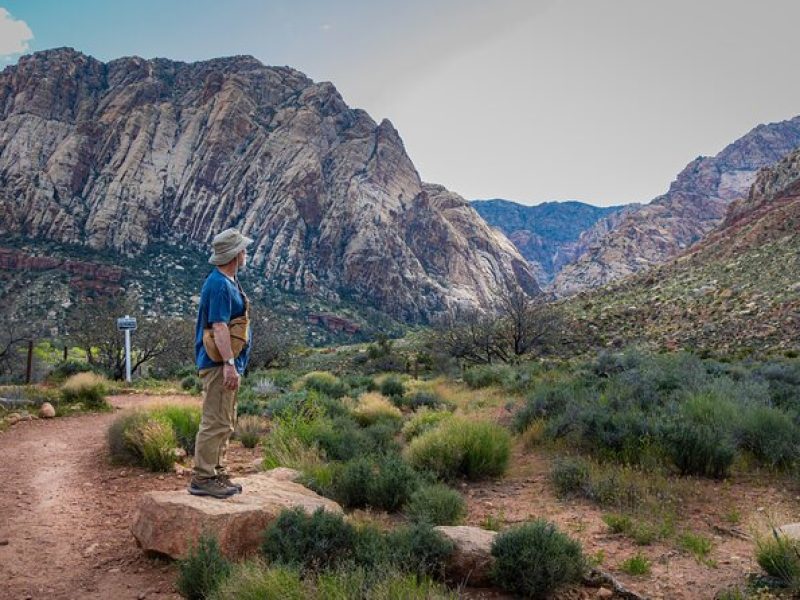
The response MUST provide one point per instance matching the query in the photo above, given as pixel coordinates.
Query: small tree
(12, 336)
(93, 327)
(525, 322)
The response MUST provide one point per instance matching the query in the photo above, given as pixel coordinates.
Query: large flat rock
(171, 522)
(471, 561)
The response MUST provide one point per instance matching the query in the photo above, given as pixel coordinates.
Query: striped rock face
(118, 155)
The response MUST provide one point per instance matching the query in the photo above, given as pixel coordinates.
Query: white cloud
(14, 34)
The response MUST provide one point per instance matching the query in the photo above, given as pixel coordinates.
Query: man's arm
(222, 338)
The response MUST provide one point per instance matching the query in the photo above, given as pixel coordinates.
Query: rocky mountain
(547, 234)
(738, 289)
(694, 205)
(123, 154)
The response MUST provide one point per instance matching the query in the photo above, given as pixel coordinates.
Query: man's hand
(230, 378)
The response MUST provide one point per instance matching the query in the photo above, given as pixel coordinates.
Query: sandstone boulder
(791, 531)
(171, 522)
(46, 411)
(472, 559)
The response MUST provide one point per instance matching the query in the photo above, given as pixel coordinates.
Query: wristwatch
(230, 362)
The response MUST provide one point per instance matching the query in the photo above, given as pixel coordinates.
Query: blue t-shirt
(220, 301)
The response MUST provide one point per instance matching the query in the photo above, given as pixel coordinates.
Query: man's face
(242, 259)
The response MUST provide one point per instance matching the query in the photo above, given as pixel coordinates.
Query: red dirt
(65, 512)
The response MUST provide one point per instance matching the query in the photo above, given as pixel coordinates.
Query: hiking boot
(211, 487)
(226, 480)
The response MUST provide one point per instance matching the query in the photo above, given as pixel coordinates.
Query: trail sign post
(127, 324)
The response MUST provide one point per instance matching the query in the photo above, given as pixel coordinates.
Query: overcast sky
(603, 101)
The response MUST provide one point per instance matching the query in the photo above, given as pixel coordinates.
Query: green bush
(780, 557)
(68, 368)
(393, 387)
(88, 388)
(486, 375)
(436, 504)
(385, 483)
(419, 549)
(638, 564)
(203, 570)
(185, 421)
(535, 559)
(422, 399)
(255, 581)
(422, 421)
(323, 540)
(474, 449)
(771, 435)
(325, 383)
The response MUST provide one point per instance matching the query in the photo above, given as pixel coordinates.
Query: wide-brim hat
(226, 245)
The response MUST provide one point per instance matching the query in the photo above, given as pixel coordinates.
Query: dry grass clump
(373, 407)
(250, 429)
(87, 388)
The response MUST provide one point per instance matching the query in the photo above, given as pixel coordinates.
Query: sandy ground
(65, 512)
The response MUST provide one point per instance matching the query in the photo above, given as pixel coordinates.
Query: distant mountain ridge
(546, 234)
(123, 154)
(738, 289)
(695, 204)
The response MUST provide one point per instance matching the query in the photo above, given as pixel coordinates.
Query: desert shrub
(255, 581)
(771, 435)
(486, 375)
(192, 383)
(393, 387)
(250, 429)
(419, 549)
(550, 399)
(358, 384)
(779, 556)
(474, 449)
(185, 421)
(422, 421)
(155, 442)
(386, 483)
(698, 545)
(535, 559)
(68, 368)
(638, 564)
(700, 439)
(87, 388)
(436, 504)
(203, 570)
(316, 542)
(423, 399)
(323, 382)
(393, 485)
(120, 447)
(570, 476)
(373, 407)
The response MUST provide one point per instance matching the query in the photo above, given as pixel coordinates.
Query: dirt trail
(65, 512)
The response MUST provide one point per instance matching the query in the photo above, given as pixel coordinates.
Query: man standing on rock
(222, 349)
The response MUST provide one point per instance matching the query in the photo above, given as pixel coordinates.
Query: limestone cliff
(118, 155)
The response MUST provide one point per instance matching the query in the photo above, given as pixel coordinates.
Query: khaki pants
(216, 426)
